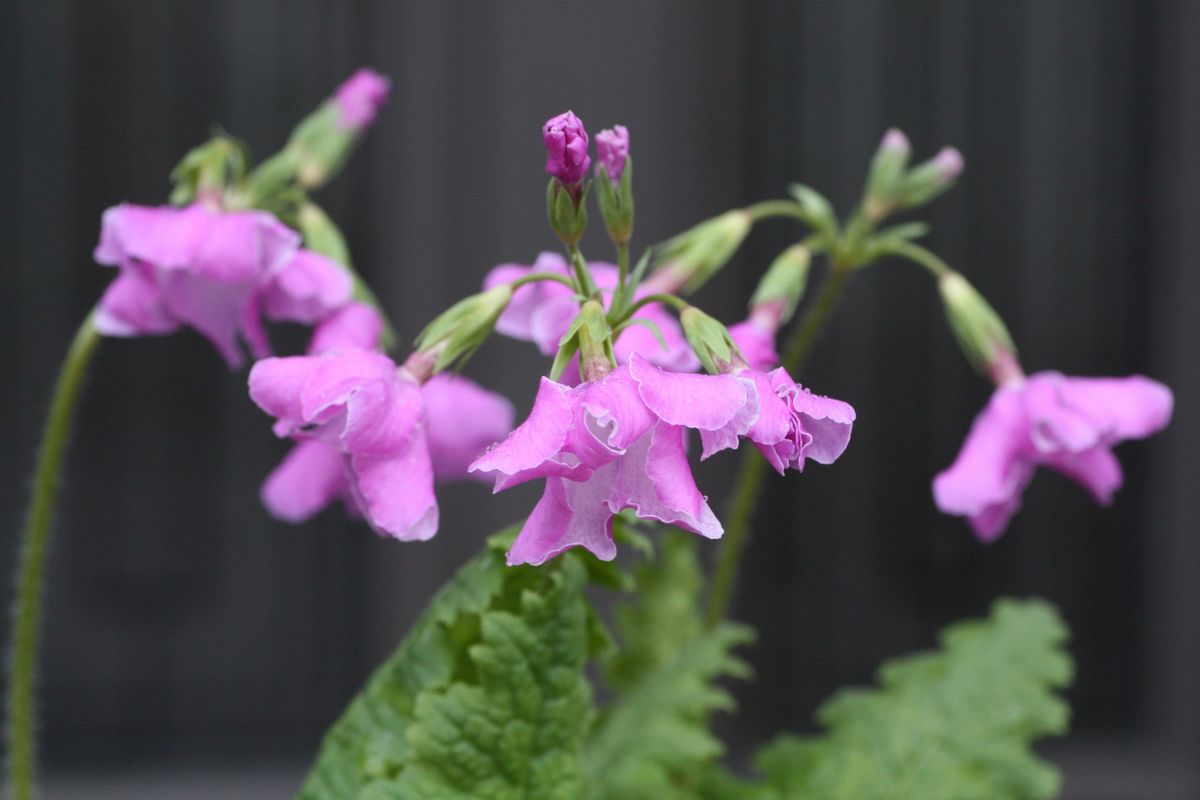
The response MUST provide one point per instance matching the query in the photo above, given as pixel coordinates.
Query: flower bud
(614, 183)
(783, 285)
(322, 141)
(566, 210)
(566, 147)
(207, 171)
(887, 174)
(981, 333)
(462, 328)
(711, 342)
(691, 258)
(612, 147)
(931, 178)
(359, 99)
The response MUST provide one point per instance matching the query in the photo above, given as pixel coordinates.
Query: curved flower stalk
(216, 261)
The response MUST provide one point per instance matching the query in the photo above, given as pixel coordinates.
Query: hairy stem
(753, 467)
(23, 646)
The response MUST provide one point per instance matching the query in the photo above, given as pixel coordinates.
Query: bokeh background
(195, 645)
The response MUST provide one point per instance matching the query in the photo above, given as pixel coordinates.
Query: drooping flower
(542, 312)
(370, 434)
(360, 97)
(566, 144)
(1047, 419)
(212, 271)
(614, 443)
(612, 148)
(794, 424)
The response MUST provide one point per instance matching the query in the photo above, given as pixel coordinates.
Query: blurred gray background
(192, 640)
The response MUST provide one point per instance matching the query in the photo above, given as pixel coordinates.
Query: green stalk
(23, 646)
(748, 485)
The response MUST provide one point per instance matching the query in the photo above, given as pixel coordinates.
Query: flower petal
(570, 514)
(756, 343)
(462, 419)
(992, 469)
(276, 385)
(132, 305)
(1121, 408)
(356, 325)
(309, 478)
(705, 402)
(533, 449)
(656, 480)
(307, 288)
(395, 493)
(1096, 470)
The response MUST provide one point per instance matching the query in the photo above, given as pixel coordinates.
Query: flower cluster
(620, 442)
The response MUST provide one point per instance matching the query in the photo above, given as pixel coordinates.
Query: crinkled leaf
(511, 728)
(655, 742)
(955, 724)
(485, 698)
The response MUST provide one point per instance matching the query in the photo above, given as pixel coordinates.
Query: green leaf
(512, 728)
(655, 743)
(955, 724)
(485, 698)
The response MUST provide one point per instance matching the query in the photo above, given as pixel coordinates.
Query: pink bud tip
(949, 163)
(566, 147)
(612, 148)
(895, 141)
(360, 97)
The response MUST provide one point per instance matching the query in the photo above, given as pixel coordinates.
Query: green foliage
(487, 699)
(950, 725)
(655, 741)
(484, 699)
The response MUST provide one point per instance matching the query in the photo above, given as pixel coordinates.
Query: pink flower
(566, 144)
(1067, 424)
(370, 434)
(612, 148)
(542, 312)
(615, 443)
(794, 424)
(360, 97)
(212, 271)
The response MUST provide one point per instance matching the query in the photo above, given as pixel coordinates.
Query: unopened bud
(783, 285)
(614, 183)
(887, 174)
(931, 178)
(982, 335)
(207, 171)
(691, 258)
(566, 142)
(320, 144)
(711, 342)
(459, 331)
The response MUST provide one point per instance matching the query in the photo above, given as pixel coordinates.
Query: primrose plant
(491, 695)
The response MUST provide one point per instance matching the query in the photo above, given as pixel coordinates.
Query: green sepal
(461, 329)
(817, 211)
(616, 203)
(214, 167)
(886, 177)
(784, 281)
(710, 340)
(981, 333)
(566, 208)
(700, 252)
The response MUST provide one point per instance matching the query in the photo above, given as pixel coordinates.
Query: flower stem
(23, 646)
(748, 485)
(774, 208)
